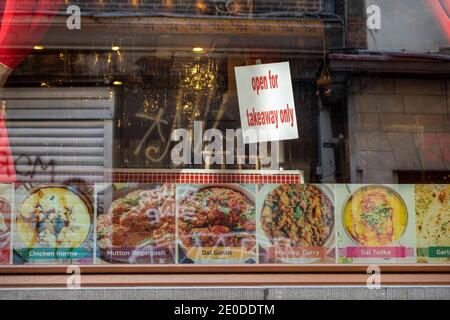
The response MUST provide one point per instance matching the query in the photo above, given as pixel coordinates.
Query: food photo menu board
(216, 223)
(6, 194)
(135, 223)
(376, 223)
(53, 224)
(168, 223)
(296, 223)
(433, 223)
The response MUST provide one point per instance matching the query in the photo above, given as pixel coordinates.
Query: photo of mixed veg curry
(297, 216)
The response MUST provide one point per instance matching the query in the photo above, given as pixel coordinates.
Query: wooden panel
(151, 26)
(215, 280)
(204, 269)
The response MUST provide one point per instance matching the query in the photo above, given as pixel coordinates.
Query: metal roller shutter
(59, 134)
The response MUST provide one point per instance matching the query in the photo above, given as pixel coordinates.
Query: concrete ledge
(263, 293)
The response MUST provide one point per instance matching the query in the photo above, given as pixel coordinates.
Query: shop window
(106, 158)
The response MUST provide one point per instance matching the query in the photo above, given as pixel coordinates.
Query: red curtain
(23, 24)
(441, 10)
(7, 170)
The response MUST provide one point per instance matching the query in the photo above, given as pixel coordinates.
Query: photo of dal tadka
(297, 216)
(141, 218)
(375, 216)
(217, 216)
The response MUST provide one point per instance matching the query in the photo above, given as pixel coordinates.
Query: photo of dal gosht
(217, 216)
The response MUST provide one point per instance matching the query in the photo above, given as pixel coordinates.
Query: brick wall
(206, 7)
(398, 125)
(356, 25)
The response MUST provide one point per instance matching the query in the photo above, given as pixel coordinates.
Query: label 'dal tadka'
(378, 252)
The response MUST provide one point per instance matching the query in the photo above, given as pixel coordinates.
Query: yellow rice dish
(375, 216)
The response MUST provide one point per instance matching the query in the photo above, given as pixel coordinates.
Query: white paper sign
(266, 102)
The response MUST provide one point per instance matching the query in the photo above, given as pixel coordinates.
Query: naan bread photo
(432, 219)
